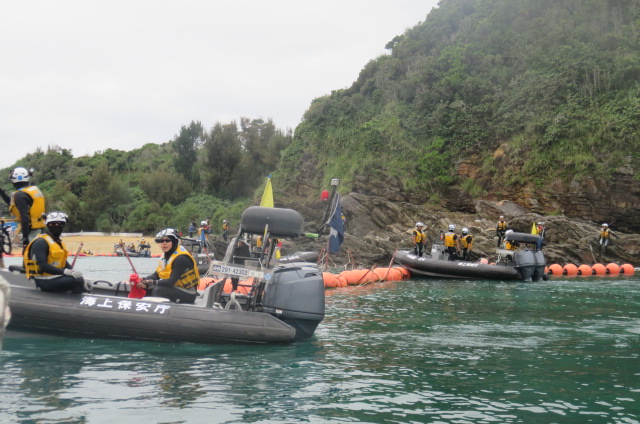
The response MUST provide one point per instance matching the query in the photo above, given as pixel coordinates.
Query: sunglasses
(163, 240)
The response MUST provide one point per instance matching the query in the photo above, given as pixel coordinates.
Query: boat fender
(233, 304)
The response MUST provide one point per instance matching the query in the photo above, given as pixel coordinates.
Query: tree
(186, 146)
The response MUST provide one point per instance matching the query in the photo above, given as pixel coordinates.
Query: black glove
(25, 242)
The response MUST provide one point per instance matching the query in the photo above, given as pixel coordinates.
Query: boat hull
(117, 317)
(426, 266)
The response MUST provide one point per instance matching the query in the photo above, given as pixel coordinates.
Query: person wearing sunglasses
(45, 260)
(177, 276)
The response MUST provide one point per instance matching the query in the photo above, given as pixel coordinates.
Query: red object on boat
(324, 196)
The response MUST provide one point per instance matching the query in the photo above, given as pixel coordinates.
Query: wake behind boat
(523, 264)
(284, 304)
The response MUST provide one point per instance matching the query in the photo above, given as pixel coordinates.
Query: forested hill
(535, 101)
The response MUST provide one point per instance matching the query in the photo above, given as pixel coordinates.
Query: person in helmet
(605, 235)
(45, 260)
(176, 278)
(501, 229)
(466, 241)
(203, 230)
(26, 204)
(508, 244)
(451, 243)
(192, 229)
(419, 239)
(225, 229)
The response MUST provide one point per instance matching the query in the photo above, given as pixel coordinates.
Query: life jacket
(450, 239)
(510, 245)
(605, 233)
(259, 241)
(467, 241)
(225, 226)
(418, 236)
(189, 279)
(57, 257)
(502, 225)
(37, 208)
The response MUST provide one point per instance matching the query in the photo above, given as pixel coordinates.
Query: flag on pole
(534, 229)
(267, 196)
(336, 230)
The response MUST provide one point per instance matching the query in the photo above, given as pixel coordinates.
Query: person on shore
(45, 260)
(540, 231)
(605, 235)
(225, 229)
(419, 239)
(501, 229)
(452, 243)
(202, 235)
(176, 277)
(192, 229)
(466, 241)
(27, 204)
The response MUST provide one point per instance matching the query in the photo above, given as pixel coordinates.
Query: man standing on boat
(452, 243)
(177, 276)
(26, 203)
(419, 239)
(466, 241)
(501, 229)
(46, 263)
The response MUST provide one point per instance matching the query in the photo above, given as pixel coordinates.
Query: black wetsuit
(166, 288)
(39, 252)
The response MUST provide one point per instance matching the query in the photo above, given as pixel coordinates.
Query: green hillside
(555, 83)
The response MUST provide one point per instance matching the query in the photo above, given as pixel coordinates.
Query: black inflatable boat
(524, 263)
(285, 304)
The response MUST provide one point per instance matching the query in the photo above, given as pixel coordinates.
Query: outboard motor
(541, 263)
(525, 264)
(437, 252)
(295, 294)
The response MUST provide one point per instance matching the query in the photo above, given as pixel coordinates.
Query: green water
(564, 351)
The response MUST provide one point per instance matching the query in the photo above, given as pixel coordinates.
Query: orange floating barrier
(613, 269)
(627, 269)
(330, 280)
(555, 270)
(570, 270)
(599, 270)
(585, 271)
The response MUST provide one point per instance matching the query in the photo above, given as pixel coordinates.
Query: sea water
(418, 351)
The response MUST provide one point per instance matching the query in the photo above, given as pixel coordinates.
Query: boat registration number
(236, 271)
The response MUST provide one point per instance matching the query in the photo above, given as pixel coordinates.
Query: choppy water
(422, 351)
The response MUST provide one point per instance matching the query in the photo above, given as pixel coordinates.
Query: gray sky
(89, 75)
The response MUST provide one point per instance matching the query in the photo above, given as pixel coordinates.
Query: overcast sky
(90, 75)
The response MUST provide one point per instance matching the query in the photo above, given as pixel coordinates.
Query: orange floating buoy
(330, 280)
(570, 270)
(627, 269)
(585, 271)
(613, 269)
(405, 273)
(599, 270)
(555, 270)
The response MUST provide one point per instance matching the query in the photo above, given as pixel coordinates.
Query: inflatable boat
(525, 263)
(285, 303)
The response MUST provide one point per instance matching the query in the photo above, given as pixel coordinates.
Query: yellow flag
(534, 229)
(267, 196)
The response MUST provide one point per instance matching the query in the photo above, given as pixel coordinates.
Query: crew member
(26, 204)
(202, 234)
(46, 263)
(501, 229)
(225, 229)
(419, 239)
(452, 243)
(177, 276)
(466, 241)
(605, 235)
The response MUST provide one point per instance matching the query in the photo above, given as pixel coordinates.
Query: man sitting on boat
(46, 263)
(177, 276)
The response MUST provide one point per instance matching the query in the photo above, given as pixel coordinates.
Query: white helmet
(56, 217)
(167, 232)
(452, 227)
(419, 224)
(605, 225)
(224, 220)
(19, 175)
(203, 223)
(501, 216)
(465, 231)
